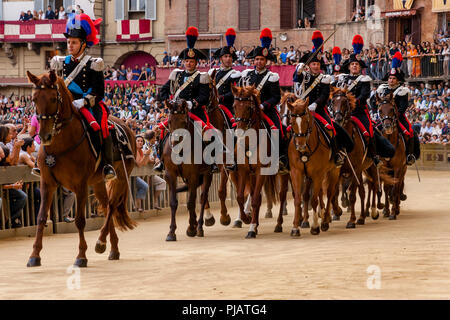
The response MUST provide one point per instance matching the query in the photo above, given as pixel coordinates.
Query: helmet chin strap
(81, 48)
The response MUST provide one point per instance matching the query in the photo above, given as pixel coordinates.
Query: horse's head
(387, 112)
(287, 97)
(342, 104)
(178, 114)
(246, 106)
(48, 99)
(301, 123)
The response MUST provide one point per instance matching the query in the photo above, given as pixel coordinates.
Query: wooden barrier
(55, 223)
(434, 157)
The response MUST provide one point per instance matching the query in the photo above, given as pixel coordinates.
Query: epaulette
(97, 64)
(205, 78)
(235, 74)
(401, 91)
(274, 77)
(173, 74)
(326, 79)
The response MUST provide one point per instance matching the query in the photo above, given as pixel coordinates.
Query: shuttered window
(286, 21)
(249, 13)
(198, 12)
(119, 9)
(150, 9)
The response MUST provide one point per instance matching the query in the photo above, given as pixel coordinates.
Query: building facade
(132, 32)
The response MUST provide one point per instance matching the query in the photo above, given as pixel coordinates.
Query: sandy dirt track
(412, 254)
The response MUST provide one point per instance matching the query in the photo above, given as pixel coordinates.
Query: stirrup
(109, 173)
(339, 159)
(36, 172)
(159, 167)
(231, 167)
(214, 168)
(410, 159)
(376, 161)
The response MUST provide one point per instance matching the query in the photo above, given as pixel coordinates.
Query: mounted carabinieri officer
(83, 76)
(395, 79)
(310, 83)
(359, 85)
(189, 84)
(268, 85)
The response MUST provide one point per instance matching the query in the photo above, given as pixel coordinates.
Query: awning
(399, 13)
(441, 6)
(204, 37)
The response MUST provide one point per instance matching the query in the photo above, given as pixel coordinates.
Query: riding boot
(372, 151)
(233, 166)
(338, 156)
(284, 159)
(410, 158)
(108, 157)
(159, 167)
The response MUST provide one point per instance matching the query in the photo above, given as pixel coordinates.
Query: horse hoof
(268, 215)
(114, 255)
(403, 197)
(375, 215)
(237, 224)
(225, 220)
(285, 212)
(251, 235)
(360, 221)
(295, 232)
(393, 217)
(315, 231)
(200, 233)
(380, 206)
(34, 262)
(100, 247)
(386, 213)
(278, 229)
(191, 232)
(336, 218)
(325, 226)
(210, 222)
(344, 203)
(171, 237)
(81, 262)
(351, 225)
(305, 225)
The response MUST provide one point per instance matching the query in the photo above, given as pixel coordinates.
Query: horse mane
(350, 96)
(286, 96)
(249, 90)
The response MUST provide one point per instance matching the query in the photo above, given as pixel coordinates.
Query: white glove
(189, 104)
(312, 106)
(78, 103)
(300, 67)
(261, 107)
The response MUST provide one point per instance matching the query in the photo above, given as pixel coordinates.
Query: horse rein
(387, 117)
(345, 116)
(249, 121)
(304, 156)
(57, 126)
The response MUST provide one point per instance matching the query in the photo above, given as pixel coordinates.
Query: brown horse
(194, 175)
(343, 103)
(249, 119)
(389, 120)
(65, 150)
(311, 161)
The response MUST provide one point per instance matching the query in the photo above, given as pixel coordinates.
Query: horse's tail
(385, 177)
(118, 195)
(271, 189)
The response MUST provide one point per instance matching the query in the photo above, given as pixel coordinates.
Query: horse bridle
(346, 114)
(301, 135)
(57, 125)
(387, 117)
(249, 121)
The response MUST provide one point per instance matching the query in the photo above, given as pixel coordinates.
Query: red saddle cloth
(228, 114)
(361, 126)
(324, 122)
(93, 123)
(407, 132)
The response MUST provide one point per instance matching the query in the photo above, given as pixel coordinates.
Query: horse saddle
(121, 141)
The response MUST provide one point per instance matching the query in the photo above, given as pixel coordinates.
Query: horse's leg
(172, 182)
(47, 191)
(386, 210)
(337, 211)
(373, 210)
(240, 198)
(102, 196)
(192, 196)
(256, 205)
(306, 199)
(284, 179)
(333, 183)
(344, 196)
(362, 195)
(316, 186)
(209, 217)
(269, 200)
(297, 184)
(203, 200)
(352, 199)
(80, 222)
(225, 218)
(369, 194)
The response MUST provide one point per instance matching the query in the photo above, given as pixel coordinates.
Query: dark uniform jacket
(361, 90)
(401, 96)
(225, 95)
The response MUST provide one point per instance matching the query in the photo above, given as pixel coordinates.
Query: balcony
(32, 31)
(134, 30)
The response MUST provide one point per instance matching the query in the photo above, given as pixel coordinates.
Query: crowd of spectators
(49, 14)
(138, 73)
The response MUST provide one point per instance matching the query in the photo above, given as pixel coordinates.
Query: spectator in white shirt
(142, 113)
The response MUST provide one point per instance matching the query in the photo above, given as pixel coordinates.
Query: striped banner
(32, 31)
(134, 30)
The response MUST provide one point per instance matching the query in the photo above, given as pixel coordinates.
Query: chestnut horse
(311, 160)
(193, 174)
(343, 103)
(249, 117)
(64, 141)
(388, 113)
